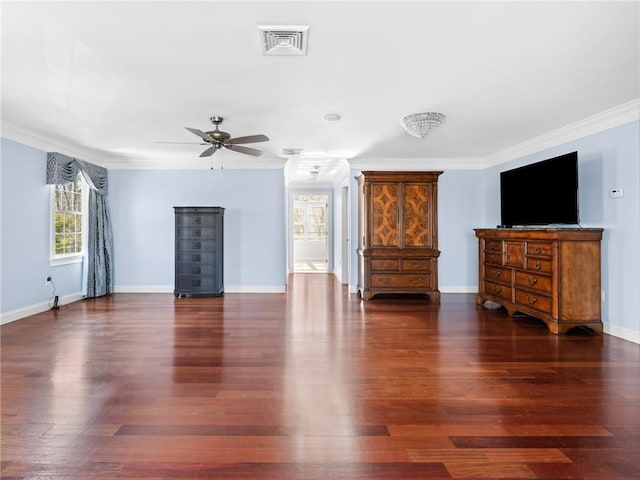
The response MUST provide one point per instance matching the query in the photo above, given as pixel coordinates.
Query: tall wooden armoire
(398, 241)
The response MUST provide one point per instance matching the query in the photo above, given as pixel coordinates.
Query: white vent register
(284, 39)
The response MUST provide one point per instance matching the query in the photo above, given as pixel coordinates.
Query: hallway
(312, 384)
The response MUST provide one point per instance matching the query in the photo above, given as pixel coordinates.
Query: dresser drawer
(534, 281)
(384, 264)
(497, 274)
(195, 283)
(493, 246)
(185, 246)
(195, 220)
(493, 258)
(415, 265)
(400, 280)
(539, 265)
(502, 291)
(539, 249)
(202, 257)
(197, 233)
(538, 301)
(196, 268)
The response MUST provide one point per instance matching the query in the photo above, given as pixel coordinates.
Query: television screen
(542, 193)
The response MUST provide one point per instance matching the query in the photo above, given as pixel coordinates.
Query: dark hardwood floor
(312, 384)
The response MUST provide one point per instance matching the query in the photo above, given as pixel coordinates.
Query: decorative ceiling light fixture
(422, 124)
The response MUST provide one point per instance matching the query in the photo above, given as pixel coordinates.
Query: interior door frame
(290, 248)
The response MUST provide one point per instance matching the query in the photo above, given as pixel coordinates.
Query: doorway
(310, 221)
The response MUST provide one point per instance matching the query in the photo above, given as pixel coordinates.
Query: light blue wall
(142, 212)
(606, 160)
(142, 202)
(25, 232)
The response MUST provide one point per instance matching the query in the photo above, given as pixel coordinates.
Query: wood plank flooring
(312, 384)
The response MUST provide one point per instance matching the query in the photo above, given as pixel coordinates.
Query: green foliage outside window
(68, 218)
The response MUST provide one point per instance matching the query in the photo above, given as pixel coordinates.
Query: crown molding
(275, 163)
(417, 164)
(18, 134)
(600, 122)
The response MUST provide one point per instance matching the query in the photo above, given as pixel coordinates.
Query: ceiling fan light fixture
(284, 39)
(422, 124)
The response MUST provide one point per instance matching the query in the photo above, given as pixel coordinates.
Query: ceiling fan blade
(201, 134)
(247, 150)
(185, 143)
(208, 152)
(248, 139)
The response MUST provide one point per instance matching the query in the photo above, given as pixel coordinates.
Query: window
(68, 206)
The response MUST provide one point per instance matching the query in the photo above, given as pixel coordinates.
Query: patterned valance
(64, 169)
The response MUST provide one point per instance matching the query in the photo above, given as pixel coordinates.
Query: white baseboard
(255, 289)
(621, 332)
(143, 289)
(459, 289)
(227, 289)
(36, 308)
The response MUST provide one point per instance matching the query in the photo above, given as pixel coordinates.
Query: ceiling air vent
(284, 39)
(291, 151)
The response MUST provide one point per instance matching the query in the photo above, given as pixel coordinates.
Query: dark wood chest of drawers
(199, 251)
(398, 241)
(550, 274)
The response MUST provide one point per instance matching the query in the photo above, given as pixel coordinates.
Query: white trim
(614, 117)
(227, 289)
(20, 135)
(36, 308)
(276, 163)
(255, 289)
(417, 164)
(622, 332)
(459, 289)
(143, 289)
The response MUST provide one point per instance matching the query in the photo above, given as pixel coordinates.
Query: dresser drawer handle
(416, 280)
(537, 266)
(417, 264)
(197, 233)
(492, 246)
(497, 289)
(492, 259)
(195, 258)
(532, 280)
(497, 274)
(531, 300)
(197, 245)
(538, 250)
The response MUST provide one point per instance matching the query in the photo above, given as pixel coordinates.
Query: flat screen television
(541, 194)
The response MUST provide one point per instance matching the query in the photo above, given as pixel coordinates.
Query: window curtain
(62, 169)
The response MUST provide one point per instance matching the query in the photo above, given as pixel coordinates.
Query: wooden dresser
(199, 243)
(398, 240)
(552, 274)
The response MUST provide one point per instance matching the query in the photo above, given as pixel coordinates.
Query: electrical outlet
(47, 280)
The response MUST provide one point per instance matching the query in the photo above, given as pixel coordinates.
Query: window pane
(298, 214)
(77, 202)
(317, 215)
(298, 232)
(69, 222)
(317, 232)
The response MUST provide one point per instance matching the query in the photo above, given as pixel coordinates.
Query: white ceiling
(108, 80)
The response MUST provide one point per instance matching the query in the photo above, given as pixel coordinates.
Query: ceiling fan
(217, 139)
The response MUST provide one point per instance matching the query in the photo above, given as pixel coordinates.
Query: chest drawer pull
(497, 273)
(531, 280)
(531, 300)
(537, 266)
(497, 290)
